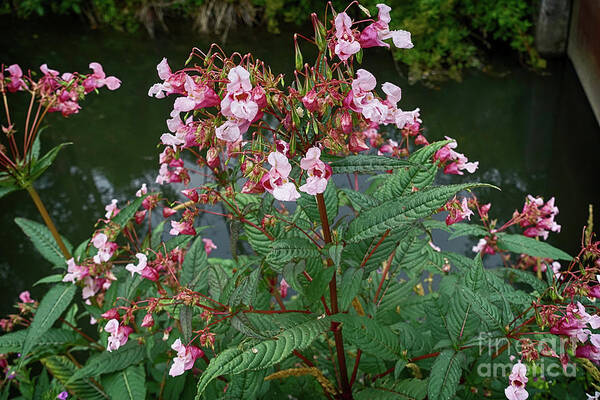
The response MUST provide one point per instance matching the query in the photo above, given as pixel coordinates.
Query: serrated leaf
(285, 250)
(106, 362)
(463, 229)
(445, 376)
(483, 307)
(358, 200)
(123, 217)
(62, 369)
(522, 244)
(370, 336)
(6, 189)
(408, 209)
(157, 233)
(408, 389)
(309, 204)
(245, 292)
(349, 287)
(234, 361)
(246, 385)
(524, 277)
(43, 241)
(43, 163)
(367, 163)
(52, 305)
(13, 342)
(128, 384)
(194, 268)
(177, 241)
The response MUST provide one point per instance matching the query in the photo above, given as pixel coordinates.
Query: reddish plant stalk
(335, 326)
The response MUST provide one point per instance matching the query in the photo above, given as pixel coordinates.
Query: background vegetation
(452, 35)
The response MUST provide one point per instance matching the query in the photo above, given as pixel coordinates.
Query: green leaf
(13, 342)
(523, 244)
(285, 250)
(41, 165)
(63, 369)
(178, 241)
(396, 212)
(128, 384)
(235, 360)
(358, 200)
(247, 385)
(350, 287)
(482, 307)
(107, 362)
(245, 292)
(463, 229)
(445, 375)
(524, 277)
(366, 163)
(370, 336)
(309, 204)
(420, 176)
(408, 389)
(50, 279)
(194, 268)
(157, 234)
(52, 305)
(123, 217)
(6, 189)
(43, 241)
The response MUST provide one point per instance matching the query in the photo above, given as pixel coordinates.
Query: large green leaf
(43, 163)
(13, 342)
(52, 305)
(128, 384)
(487, 311)
(366, 163)
(370, 336)
(235, 360)
(43, 241)
(404, 210)
(536, 248)
(248, 385)
(6, 189)
(285, 250)
(194, 268)
(358, 200)
(408, 389)
(107, 362)
(63, 369)
(445, 375)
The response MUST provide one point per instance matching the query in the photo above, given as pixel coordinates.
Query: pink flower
(99, 79)
(186, 356)
(111, 209)
(483, 246)
(148, 321)
(118, 334)
(142, 191)
(283, 288)
(276, 180)
(209, 246)
(167, 212)
(458, 161)
(239, 80)
(229, 131)
(318, 172)
(16, 79)
(191, 194)
(74, 272)
(457, 211)
(346, 45)
(310, 100)
(588, 351)
(517, 380)
(199, 95)
(105, 248)
(25, 297)
(90, 288)
(137, 269)
(183, 228)
(172, 83)
(375, 34)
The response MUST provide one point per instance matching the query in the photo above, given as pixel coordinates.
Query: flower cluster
(455, 163)
(538, 217)
(186, 356)
(119, 334)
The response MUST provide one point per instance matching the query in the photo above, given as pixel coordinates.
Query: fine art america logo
(548, 364)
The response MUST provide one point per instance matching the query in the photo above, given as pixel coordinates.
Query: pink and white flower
(457, 162)
(276, 181)
(183, 228)
(106, 249)
(118, 334)
(517, 380)
(186, 356)
(75, 272)
(111, 209)
(318, 172)
(137, 269)
(209, 246)
(375, 34)
(142, 191)
(25, 297)
(346, 45)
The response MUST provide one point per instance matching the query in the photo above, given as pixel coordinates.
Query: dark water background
(531, 133)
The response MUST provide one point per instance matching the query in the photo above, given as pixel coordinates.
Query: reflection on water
(531, 133)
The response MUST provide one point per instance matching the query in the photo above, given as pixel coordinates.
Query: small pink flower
(142, 191)
(148, 321)
(167, 212)
(137, 269)
(183, 228)
(16, 79)
(318, 172)
(209, 246)
(186, 356)
(228, 131)
(346, 45)
(276, 180)
(375, 34)
(105, 248)
(111, 209)
(457, 211)
(25, 297)
(118, 334)
(310, 100)
(283, 288)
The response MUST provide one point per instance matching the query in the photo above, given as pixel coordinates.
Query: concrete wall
(552, 27)
(584, 48)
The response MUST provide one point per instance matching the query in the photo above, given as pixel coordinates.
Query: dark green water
(531, 133)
